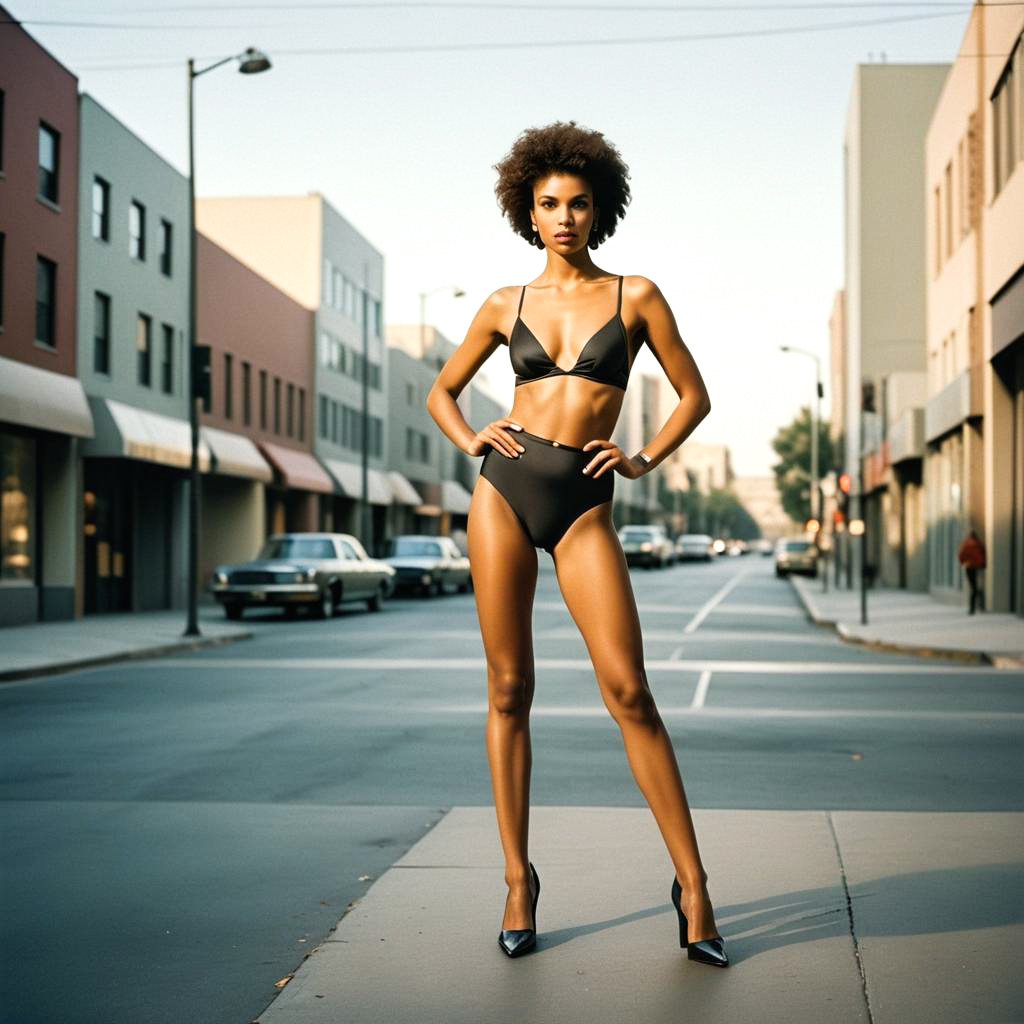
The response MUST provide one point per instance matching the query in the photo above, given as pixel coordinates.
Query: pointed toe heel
(517, 941)
(701, 951)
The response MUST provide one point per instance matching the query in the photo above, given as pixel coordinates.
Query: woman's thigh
(595, 583)
(503, 564)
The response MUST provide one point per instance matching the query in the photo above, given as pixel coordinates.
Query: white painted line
(204, 663)
(702, 690)
(709, 607)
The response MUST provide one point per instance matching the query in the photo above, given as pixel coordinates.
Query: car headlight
(309, 575)
(220, 577)
(647, 546)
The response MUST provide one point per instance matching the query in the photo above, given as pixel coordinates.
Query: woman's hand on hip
(609, 457)
(498, 435)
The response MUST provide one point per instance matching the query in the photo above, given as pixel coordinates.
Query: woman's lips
(565, 236)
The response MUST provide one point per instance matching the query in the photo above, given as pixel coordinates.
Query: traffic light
(843, 496)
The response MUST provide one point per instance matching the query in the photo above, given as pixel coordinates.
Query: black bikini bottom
(546, 486)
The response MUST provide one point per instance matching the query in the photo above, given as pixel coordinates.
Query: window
(143, 336)
(948, 185)
(101, 333)
(337, 429)
(290, 410)
(277, 405)
(938, 231)
(337, 290)
(167, 360)
(1, 129)
(46, 298)
(3, 239)
(302, 414)
(961, 192)
(378, 323)
(166, 233)
(263, 399)
(246, 397)
(18, 496)
(228, 382)
(1007, 118)
(100, 209)
(49, 155)
(137, 230)
(323, 424)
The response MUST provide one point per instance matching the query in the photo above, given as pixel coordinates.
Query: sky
(397, 112)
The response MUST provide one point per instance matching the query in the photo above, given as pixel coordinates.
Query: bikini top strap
(618, 308)
(522, 295)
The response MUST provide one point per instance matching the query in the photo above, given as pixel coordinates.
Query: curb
(60, 668)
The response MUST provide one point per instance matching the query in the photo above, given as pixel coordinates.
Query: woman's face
(563, 212)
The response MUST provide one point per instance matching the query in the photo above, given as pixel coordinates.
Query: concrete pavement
(47, 648)
(915, 623)
(842, 916)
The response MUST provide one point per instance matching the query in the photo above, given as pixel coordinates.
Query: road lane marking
(710, 605)
(203, 662)
(701, 692)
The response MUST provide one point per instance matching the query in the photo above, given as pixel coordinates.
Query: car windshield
(799, 545)
(298, 547)
(696, 538)
(635, 531)
(414, 546)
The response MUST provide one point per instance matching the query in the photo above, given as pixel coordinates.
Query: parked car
(312, 570)
(647, 545)
(428, 564)
(697, 546)
(796, 554)
(765, 546)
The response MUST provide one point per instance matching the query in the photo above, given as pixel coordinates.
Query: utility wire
(547, 44)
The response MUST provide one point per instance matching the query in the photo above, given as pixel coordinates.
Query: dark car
(304, 570)
(428, 564)
(647, 545)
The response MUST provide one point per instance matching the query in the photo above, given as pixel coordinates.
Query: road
(178, 832)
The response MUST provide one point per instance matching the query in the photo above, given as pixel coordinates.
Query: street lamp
(457, 293)
(251, 62)
(815, 426)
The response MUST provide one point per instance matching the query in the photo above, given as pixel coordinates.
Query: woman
(547, 479)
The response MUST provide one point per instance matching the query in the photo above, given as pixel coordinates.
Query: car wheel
(234, 611)
(291, 611)
(324, 609)
(434, 588)
(464, 587)
(376, 602)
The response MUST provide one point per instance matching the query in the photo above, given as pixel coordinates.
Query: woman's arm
(485, 334)
(671, 352)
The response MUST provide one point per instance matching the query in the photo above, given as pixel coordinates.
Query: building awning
(454, 497)
(236, 455)
(298, 469)
(350, 481)
(128, 432)
(405, 493)
(34, 397)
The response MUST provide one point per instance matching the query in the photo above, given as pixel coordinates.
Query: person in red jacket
(972, 558)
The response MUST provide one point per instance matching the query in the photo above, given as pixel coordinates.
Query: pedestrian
(546, 481)
(972, 558)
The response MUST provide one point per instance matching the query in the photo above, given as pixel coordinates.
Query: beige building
(760, 497)
(883, 308)
(974, 415)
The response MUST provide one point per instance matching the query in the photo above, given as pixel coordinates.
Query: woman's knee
(511, 690)
(629, 699)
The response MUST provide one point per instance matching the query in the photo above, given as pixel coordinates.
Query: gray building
(132, 323)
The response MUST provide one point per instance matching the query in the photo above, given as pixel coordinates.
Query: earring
(592, 240)
(536, 240)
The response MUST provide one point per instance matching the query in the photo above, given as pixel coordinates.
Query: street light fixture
(251, 62)
(457, 293)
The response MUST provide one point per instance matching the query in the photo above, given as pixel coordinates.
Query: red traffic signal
(845, 483)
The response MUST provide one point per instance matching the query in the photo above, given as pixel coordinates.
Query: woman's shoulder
(639, 288)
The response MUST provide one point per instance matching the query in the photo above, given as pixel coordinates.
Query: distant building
(43, 409)
(759, 495)
(974, 411)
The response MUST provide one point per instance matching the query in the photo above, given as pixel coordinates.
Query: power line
(546, 44)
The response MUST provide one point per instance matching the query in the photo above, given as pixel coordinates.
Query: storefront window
(17, 508)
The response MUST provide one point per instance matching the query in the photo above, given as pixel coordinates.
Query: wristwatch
(645, 458)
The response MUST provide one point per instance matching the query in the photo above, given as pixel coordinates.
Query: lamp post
(815, 426)
(457, 293)
(251, 62)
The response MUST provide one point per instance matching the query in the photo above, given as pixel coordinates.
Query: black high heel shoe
(703, 951)
(517, 941)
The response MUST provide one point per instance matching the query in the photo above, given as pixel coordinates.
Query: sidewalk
(46, 648)
(887, 917)
(915, 623)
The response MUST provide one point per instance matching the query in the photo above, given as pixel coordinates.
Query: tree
(793, 473)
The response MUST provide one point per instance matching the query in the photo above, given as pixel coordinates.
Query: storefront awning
(405, 493)
(350, 481)
(128, 432)
(34, 397)
(297, 468)
(454, 497)
(235, 455)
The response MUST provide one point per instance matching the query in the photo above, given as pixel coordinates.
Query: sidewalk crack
(849, 916)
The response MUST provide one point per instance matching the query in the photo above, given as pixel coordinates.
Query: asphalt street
(178, 832)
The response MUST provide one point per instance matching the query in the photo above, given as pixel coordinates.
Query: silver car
(796, 554)
(647, 545)
(428, 564)
(697, 546)
(312, 570)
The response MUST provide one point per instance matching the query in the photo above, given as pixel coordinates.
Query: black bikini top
(604, 358)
